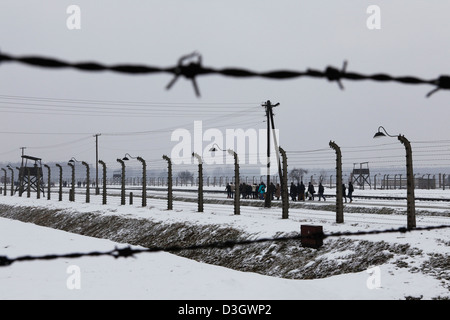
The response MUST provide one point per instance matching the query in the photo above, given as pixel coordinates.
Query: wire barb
(333, 74)
(124, 252)
(190, 71)
(442, 83)
(5, 261)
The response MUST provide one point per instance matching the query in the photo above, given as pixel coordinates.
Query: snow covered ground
(167, 276)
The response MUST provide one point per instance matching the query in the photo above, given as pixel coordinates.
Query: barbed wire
(128, 251)
(190, 66)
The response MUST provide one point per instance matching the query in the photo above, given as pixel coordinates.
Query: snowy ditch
(280, 259)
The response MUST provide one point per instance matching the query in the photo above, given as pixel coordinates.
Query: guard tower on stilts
(30, 175)
(360, 176)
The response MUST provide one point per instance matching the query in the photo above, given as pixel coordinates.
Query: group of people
(254, 191)
(350, 192)
(300, 192)
(297, 192)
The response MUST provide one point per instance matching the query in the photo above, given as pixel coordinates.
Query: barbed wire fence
(128, 251)
(190, 67)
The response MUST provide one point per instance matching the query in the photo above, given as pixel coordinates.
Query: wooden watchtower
(361, 175)
(30, 175)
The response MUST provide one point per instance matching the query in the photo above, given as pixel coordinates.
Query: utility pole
(97, 190)
(268, 105)
(277, 149)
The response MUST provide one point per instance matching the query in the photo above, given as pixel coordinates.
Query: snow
(167, 276)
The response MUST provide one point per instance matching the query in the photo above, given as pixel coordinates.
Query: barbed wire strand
(190, 66)
(128, 251)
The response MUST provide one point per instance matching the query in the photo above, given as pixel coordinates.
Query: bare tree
(185, 176)
(297, 174)
(322, 175)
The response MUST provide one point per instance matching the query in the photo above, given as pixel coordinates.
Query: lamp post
(169, 183)
(144, 177)
(122, 193)
(200, 181)
(237, 205)
(411, 211)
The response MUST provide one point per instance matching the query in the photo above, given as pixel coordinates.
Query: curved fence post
(169, 183)
(339, 204)
(284, 186)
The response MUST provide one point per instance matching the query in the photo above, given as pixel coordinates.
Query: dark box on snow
(311, 236)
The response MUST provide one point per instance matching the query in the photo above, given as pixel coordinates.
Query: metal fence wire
(128, 251)
(190, 67)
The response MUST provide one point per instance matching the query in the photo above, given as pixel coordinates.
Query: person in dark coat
(271, 190)
(278, 191)
(311, 191)
(293, 192)
(343, 193)
(228, 189)
(249, 191)
(350, 191)
(321, 191)
(301, 191)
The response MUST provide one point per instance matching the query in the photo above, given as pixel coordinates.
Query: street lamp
(237, 209)
(411, 211)
(144, 177)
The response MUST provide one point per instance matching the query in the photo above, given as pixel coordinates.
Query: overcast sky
(41, 109)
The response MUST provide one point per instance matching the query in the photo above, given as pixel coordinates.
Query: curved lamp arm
(381, 134)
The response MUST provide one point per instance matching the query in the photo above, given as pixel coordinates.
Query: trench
(287, 259)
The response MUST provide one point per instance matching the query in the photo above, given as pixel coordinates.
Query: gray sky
(258, 35)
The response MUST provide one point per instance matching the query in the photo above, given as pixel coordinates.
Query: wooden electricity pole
(268, 105)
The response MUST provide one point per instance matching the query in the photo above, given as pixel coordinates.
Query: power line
(133, 103)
